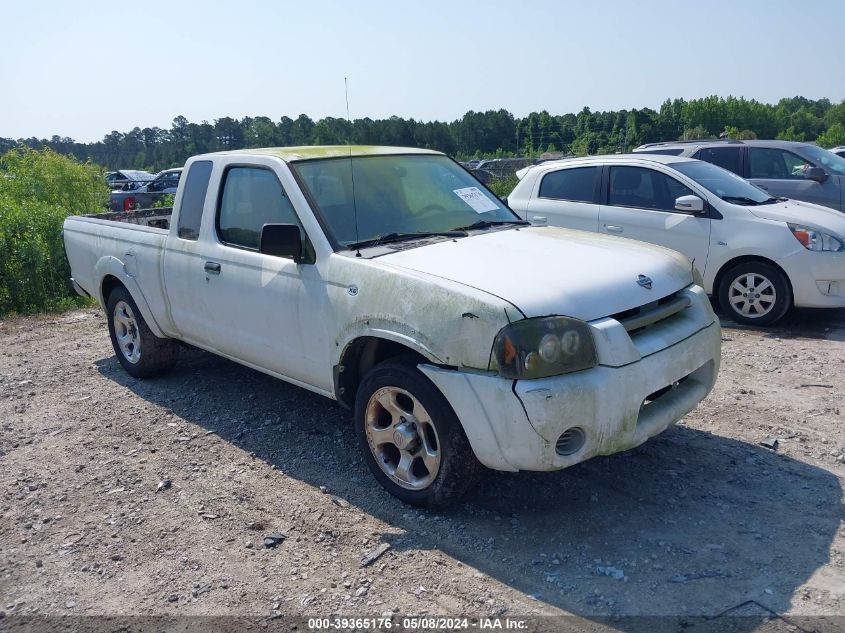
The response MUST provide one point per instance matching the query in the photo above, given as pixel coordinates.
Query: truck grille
(638, 319)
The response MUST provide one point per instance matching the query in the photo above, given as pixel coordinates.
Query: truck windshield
(398, 195)
(725, 184)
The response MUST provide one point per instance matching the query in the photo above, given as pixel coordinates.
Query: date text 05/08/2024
(426, 623)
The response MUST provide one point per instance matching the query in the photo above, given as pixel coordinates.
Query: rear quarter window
(193, 200)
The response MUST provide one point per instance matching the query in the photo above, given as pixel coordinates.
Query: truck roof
(313, 152)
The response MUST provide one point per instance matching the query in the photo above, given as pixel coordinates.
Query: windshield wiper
(399, 237)
(774, 200)
(486, 224)
(741, 200)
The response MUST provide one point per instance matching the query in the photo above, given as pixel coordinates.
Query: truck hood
(811, 215)
(552, 271)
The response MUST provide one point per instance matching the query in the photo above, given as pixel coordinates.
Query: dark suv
(799, 171)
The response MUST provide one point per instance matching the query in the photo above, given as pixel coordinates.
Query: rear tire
(141, 352)
(755, 293)
(411, 438)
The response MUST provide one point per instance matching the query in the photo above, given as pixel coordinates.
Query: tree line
(489, 134)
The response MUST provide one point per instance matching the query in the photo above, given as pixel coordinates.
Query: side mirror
(689, 204)
(815, 173)
(281, 240)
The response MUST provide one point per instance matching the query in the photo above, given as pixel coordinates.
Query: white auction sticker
(475, 198)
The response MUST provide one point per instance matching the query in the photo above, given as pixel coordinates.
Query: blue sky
(84, 68)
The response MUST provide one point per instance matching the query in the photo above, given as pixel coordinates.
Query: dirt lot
(698, 521)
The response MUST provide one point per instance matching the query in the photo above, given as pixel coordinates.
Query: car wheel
(141, 352)
(755, 293)
(411, 438)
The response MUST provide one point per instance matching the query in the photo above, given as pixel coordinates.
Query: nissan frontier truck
(392, 281)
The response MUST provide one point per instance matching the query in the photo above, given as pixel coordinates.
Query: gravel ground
(123, 496)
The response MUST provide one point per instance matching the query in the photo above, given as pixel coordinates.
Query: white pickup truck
(392, 281)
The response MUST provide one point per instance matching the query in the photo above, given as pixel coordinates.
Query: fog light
(570, 441)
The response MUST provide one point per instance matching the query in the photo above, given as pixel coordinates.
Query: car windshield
(725, 184)
(827, 159)
(397, 196)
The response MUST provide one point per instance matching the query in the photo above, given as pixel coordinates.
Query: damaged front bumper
(552, 423)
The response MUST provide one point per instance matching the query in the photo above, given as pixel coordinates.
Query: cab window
(251, 198)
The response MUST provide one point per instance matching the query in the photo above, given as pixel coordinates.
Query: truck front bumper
(552, 423)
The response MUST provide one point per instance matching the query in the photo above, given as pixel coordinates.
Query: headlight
(542, 347)
(814, 240)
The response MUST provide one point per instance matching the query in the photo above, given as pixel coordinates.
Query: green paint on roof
(312, 152)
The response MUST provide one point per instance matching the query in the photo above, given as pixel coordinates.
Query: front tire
(755, 293)
(141, 352)
(411, 438)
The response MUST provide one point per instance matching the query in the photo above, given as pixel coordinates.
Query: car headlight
(542, 347)
(815, 240)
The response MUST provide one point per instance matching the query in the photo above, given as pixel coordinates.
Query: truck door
(262, 307)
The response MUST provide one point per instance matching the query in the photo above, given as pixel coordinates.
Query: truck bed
(153, 218)
(128, 246)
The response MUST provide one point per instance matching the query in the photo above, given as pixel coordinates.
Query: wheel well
(110, 282)
(359, 357)
(717, 282)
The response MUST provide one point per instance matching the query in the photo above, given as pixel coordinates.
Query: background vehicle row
(758, 254)
(799, 171)
(142, 195)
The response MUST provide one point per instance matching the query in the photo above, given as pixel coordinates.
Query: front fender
(110, 265)
(387, 329)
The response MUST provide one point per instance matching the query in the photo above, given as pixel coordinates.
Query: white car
(839, 151)
(758, 254)
(410, 294)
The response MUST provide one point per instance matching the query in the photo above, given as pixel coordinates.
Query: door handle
(763, 187)
(613, 228)
(539, 220)
(212, 267)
